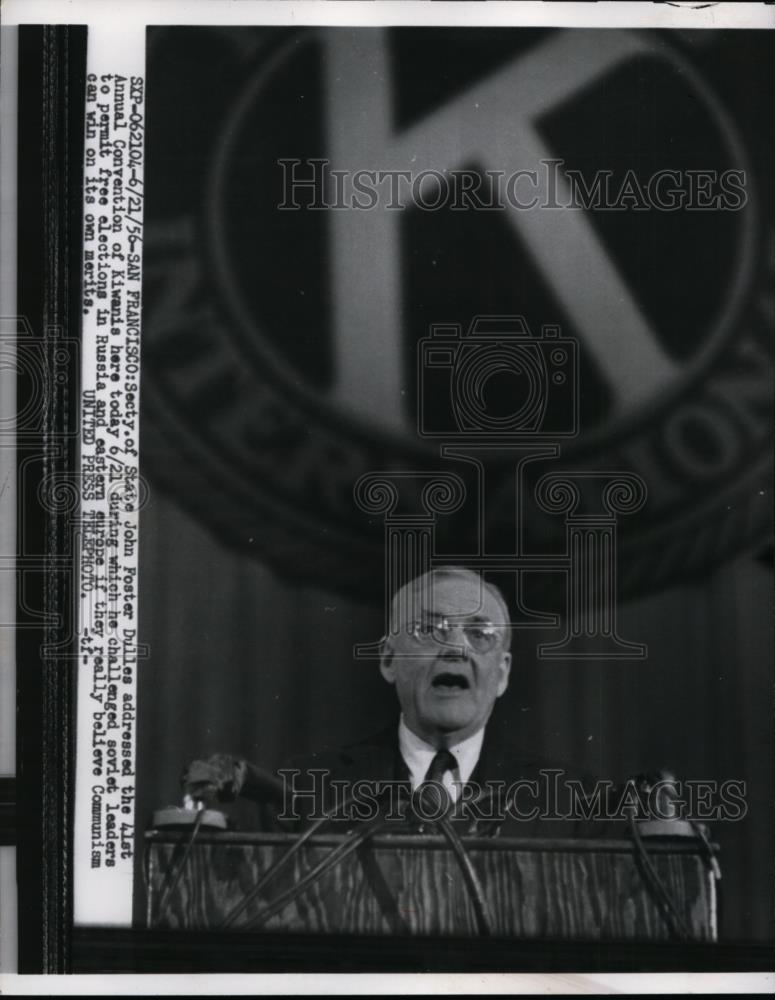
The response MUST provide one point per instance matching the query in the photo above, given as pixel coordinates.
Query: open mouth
(449, 681)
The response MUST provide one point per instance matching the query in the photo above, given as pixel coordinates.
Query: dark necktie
(435, 796)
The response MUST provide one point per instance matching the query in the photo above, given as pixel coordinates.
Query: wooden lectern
(412, 884)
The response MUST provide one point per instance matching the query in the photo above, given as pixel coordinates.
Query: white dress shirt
(418, 756)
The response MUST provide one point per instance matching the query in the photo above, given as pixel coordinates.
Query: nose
(456, 637)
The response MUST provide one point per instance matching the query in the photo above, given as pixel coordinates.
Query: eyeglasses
(481, 637)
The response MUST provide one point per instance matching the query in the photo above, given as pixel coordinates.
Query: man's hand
(218, 779)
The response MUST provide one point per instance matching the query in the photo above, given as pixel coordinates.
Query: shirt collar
(418, 754)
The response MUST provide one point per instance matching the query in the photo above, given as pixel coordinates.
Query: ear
(386, 665)
(505, 670)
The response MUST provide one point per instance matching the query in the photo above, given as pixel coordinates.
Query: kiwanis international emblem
(311, 284)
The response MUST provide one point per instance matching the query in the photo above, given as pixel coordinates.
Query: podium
(573, 890)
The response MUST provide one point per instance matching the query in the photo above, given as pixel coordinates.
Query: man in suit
(448, 657)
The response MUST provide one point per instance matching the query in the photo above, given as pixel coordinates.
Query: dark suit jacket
(378, 760)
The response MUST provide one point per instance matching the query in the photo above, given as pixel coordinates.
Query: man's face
(447, 690)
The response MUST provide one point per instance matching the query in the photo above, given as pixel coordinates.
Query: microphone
(187, 815)
(660, 789)
(220, 778)
(259, 784)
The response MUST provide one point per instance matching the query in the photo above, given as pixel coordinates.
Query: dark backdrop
(241, 661)
(259, 572)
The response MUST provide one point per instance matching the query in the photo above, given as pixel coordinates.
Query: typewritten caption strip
(111, 491)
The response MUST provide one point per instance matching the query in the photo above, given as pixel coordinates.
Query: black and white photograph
(403, 590)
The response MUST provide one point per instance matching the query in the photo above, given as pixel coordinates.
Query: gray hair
(424, 582)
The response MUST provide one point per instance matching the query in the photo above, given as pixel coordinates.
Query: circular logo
(585, 284)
